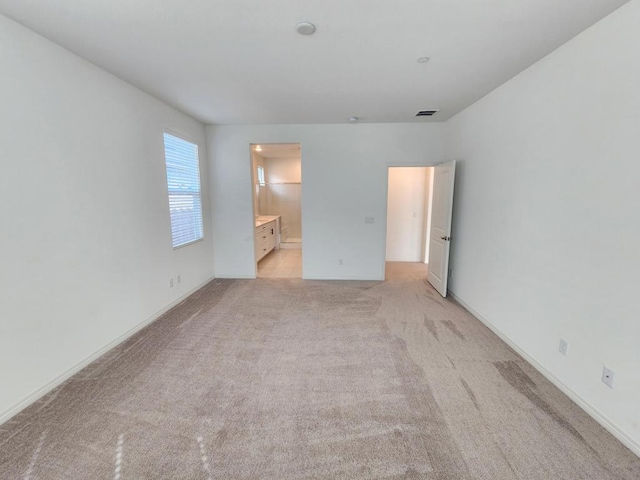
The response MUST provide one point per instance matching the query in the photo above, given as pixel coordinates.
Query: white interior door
(442, 206)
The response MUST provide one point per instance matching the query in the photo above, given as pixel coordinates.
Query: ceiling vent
(427, 113)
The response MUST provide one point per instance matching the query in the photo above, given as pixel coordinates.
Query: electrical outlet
(171, 283)
(451, 273)
(179, 279)
(340, 261)
(563, 347)
(607, 376)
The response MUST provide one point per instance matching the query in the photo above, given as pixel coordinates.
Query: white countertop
(262, 219)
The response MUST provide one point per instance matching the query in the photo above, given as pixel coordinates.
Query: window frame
(192, 141)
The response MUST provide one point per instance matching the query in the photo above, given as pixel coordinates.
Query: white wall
(259, 193)
(408, 198)
(284, 195)
(344, 177)
(283, 170)
(547, 214)
(86, 239)
(427, 236)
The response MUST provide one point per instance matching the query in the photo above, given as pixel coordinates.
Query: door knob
(446, 239)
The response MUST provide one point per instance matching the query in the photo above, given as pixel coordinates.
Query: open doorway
(408, 221)
(277, 205)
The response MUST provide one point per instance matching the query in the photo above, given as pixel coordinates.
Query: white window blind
(183, 182)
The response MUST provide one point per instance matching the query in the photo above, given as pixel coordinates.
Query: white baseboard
(233, 276)
(343, 278)
(60, 379)
(611, 427)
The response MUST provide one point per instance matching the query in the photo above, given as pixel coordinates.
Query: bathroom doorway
(277, 205)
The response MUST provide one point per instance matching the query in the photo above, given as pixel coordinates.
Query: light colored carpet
(292, 379)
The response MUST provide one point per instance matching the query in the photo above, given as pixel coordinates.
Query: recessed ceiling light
(305, 28)
(354, 119)
(258, 148)
(423, 59)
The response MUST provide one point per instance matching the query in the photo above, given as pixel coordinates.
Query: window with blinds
(183, 182)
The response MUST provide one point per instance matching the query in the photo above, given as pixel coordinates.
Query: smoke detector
(305, 28)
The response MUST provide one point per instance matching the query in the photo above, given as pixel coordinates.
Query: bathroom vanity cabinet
(266, 237)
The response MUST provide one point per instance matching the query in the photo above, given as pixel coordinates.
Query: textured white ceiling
(242, 62)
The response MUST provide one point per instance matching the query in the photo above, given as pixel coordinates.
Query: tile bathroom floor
(282, 263)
